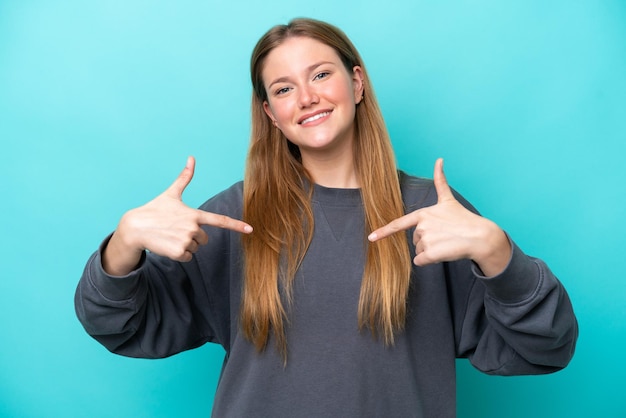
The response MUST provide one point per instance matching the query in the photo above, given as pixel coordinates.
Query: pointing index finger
(400, 224)
(223, 221)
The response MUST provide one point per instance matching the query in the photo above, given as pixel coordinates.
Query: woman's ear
(358, 82)
(268, 112)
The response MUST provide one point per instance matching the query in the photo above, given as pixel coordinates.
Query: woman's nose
(307, 97)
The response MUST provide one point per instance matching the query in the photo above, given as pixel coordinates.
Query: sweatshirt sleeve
(165, 307)
(147, 313)
(519, 322)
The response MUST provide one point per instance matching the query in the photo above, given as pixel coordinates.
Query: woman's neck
(336, 171)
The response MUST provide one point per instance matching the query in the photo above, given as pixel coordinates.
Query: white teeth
(316, 117)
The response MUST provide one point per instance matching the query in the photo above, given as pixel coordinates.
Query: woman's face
(311, 96)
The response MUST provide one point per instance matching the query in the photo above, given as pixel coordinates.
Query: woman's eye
(321, 75)
(282, 90)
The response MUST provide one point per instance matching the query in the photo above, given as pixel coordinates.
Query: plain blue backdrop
(102, 101)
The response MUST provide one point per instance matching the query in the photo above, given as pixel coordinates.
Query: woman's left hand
(447, 231)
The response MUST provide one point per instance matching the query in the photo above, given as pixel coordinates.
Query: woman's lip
(312, 117)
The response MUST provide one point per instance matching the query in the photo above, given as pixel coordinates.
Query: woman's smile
(319, 117)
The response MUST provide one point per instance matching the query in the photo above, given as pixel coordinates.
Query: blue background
(102, 101)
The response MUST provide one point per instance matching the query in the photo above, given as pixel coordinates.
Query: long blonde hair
(278, 204)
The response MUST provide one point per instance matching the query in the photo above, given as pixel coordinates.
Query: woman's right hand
(164, 226)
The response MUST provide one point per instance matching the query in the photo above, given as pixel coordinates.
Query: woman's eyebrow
(310, 68)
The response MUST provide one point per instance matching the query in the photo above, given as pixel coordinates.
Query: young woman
(359, 285)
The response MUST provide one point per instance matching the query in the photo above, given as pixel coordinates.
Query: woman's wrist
(120, 257)
(493, 252)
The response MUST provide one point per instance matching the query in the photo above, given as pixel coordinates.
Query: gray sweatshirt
(519, 322)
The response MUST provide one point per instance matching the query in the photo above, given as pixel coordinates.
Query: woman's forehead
(297, 54)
